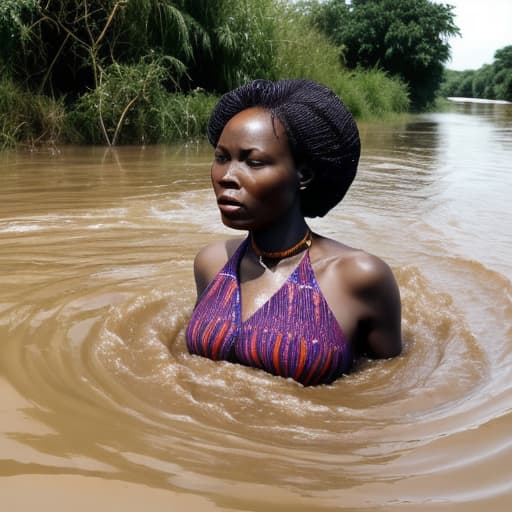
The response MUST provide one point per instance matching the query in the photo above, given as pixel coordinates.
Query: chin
(236, 223)
(244, 224)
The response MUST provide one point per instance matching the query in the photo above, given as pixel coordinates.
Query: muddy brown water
(101, 405)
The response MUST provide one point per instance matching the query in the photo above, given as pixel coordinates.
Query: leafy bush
(372, 93)
(117, 110)
(155, 117)
(28, 118)
(183, 116)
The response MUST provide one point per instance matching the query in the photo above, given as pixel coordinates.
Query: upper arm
(377, 291)
(207, 264)
(210, 260)
(201, 274)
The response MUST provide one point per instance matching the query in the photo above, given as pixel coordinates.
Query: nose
(227, 175)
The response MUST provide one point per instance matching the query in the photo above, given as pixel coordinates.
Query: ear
(306, 176)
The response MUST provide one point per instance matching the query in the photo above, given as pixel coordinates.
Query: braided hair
(322, 134)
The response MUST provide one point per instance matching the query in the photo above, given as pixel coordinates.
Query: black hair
(322, 134)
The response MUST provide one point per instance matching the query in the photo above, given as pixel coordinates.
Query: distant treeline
(491, 81)
(149, 71)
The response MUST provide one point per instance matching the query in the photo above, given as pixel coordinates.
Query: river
(102, 407)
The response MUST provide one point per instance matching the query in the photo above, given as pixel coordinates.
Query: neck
(283, 232)
(303, 244)
(280, 241)
(279, 237)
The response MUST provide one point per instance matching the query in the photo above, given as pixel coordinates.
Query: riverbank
(33, 120)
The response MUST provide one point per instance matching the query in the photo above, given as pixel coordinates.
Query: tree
(408, 38)
(491, 81)
(503, 77)
(480, 80)
(503, 58)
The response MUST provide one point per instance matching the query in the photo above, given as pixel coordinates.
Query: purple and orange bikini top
(294, 334)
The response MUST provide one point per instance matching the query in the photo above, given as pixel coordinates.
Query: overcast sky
(485, 25)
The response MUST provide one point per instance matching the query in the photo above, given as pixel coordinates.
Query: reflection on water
(96, 288)
(399, 164)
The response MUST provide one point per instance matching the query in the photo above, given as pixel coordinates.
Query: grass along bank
(28, 119)
(132, 103)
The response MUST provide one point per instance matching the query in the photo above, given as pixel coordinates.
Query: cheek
(213, 173)
(274, 190)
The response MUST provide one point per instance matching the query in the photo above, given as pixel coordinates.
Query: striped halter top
(294, 334)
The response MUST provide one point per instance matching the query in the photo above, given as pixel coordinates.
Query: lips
(226, 200)
(228, 204)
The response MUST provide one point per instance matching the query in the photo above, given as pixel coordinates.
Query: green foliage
(167, 27)
(71, 42)
(503, 58)
(407, 38)
(478, 82)
(134, 108)
(247, 35)
(242, 34)
(491, 81)
(182, 116)
(28, 118)
(503, 77)
(115, 110)
(378, 94)
(302, 51)
(137, 71)
(15, 15)
(221, 43)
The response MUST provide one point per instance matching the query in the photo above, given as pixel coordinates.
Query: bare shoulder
(356, 268)
(210, 260)
(365, 272)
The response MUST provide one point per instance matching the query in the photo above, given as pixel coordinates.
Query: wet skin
(256, 184)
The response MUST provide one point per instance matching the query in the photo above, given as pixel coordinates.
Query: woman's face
(253, 173)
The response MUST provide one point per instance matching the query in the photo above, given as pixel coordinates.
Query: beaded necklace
(301, 245)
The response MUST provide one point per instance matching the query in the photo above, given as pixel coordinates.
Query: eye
(255, 163)
(220, 158)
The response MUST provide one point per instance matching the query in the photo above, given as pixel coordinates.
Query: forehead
(256, 124)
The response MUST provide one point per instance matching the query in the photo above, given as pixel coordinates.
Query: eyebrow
(244, 151)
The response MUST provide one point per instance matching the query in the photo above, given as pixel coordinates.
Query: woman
(285, 299)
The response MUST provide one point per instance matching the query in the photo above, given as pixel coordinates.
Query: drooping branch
(100, 115)
(121, 118)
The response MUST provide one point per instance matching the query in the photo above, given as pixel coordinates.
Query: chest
(257, 288)
(257, 285)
